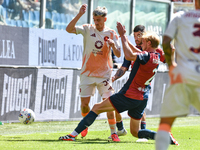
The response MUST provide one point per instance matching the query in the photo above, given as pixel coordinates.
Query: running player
(132, 96)
(97, 61)
(184, 89)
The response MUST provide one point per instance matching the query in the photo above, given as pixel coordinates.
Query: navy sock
(143, 124)
(86, 122)
(120, 125)
(148, 134)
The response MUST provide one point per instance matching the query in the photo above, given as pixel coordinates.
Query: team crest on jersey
(106, 38)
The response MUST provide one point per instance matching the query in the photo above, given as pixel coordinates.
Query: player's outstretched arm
(120, 72)
(130, 54)
(71, 26)
(130, 44)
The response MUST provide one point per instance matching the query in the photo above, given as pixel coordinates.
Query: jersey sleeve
(173, 25)
(126, 63)
(143, 57)
(81, 29)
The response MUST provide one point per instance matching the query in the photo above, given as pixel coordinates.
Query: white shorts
(88, 84)
(178, 98)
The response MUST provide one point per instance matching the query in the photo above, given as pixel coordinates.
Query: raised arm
(129, 53)
(71, 26)
(130, 44)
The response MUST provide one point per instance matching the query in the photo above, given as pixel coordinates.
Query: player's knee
(134, 133)
(84, 104)
(96, 108)
(110, 114)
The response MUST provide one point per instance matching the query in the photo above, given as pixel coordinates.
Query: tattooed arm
(120, 72)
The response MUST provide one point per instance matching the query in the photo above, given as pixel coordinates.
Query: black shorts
(135, 107)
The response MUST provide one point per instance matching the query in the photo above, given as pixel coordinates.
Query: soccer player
(97, 61)
(184, 89)
(132, 95)
(137, 32)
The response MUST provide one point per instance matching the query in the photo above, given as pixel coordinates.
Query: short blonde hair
(100, 11)
(152, 37)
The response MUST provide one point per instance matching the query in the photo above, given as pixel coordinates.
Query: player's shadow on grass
(104, 141)
(37, 140)
(78, 141)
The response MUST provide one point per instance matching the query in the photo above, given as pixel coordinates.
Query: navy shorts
(135, 107)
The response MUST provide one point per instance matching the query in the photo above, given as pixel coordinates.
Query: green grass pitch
(44, 136)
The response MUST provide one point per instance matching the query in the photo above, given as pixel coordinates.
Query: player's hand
(83, 9)
(113, 78)
(121, 29)
(110, 42)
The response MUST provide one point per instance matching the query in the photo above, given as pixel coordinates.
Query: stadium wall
(37, 72)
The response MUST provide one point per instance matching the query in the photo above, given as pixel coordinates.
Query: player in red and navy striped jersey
(137, 32)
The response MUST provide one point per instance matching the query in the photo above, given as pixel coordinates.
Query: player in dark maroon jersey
(132, 96)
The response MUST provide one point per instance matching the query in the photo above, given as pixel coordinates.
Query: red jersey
(143, 71)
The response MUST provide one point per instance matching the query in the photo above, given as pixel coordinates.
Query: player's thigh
(87, 90)
(135, 126)
(87, 86)
(176, 101)
(105, 88)
(121, 103)
(104, 106)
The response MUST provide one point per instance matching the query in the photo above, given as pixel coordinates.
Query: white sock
(74, 133)
(113, 128)
(162, 140)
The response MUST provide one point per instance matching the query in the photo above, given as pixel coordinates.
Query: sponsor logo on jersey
(94, 35)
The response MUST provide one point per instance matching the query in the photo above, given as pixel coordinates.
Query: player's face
(99, 22)
(138, 38)
(144, 44)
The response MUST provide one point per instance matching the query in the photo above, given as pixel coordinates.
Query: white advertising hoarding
(55, 48)
(53, 94)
